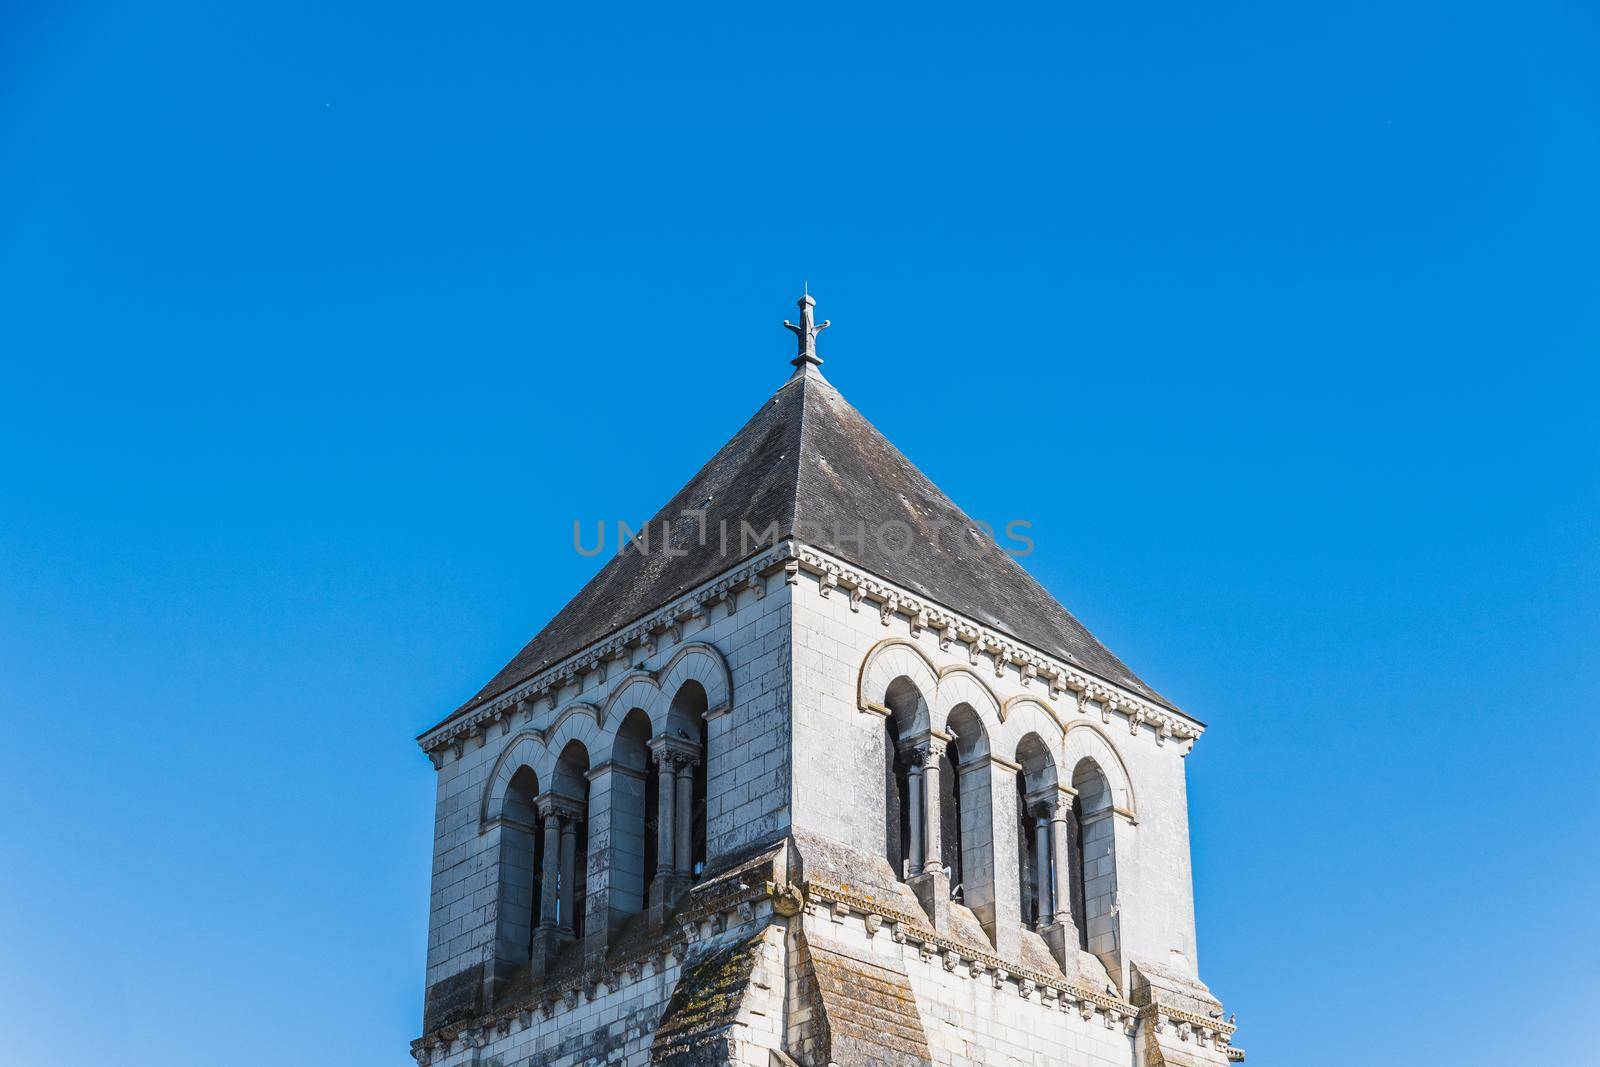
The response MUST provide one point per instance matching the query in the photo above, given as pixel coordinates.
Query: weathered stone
(671, 834)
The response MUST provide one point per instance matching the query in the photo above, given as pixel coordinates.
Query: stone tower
(814, 773)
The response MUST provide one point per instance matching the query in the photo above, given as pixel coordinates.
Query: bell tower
(813, 772)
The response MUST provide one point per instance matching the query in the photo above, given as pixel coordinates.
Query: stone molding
(906, 928)
(620, 650)
(1006, 652)
(744, 901)
(752, 900)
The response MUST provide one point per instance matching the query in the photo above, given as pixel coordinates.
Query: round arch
(637, 686)
(523, 750)
(887, 662)
(577, 722)
(963, 685)
(694, 662)
(1086, 741)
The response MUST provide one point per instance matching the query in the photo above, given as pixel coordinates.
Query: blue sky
(320, 327)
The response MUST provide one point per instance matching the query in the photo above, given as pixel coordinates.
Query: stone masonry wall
(839, 762)
(747, 780)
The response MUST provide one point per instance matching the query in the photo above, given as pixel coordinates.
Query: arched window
(686, 720)
(634, 805)
(1094, 865)
(966, 836)
(565, 816)
(902, 780)
(521, 854)
(1037, 796)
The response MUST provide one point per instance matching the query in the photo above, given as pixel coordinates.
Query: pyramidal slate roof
(812, 466)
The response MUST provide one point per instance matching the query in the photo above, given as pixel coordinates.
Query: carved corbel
(1001, 657)
(947, 635)
(856, 594)
(1025, 988)
(829, 582)
(887, 609)
(791, 572)
(873, 923)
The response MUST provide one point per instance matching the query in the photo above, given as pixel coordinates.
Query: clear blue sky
(321, 324)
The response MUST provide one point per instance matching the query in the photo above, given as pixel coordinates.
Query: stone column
(556, 813)
(929, 882)
(1041, 850)
(933, 859)
(665, 819)
(1062, 934)
(674, 758)
(550, 871)
(684, 865)
(1060, 813)
(915, 802)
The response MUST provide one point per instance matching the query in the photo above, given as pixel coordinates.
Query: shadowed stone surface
(865, 1010)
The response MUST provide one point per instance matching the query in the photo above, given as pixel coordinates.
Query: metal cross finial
(806, 332)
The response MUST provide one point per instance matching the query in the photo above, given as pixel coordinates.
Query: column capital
(1056, 800)
(559, 806)
(925, 749)
(672, 751)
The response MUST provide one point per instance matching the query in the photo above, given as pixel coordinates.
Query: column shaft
(1063, 861)
(1041, 844)
(665, 821)
(933, 858)
(914, 858)
(549, 874)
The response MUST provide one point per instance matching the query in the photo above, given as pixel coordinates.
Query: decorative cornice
(613, 652)
(1005, 651)
(791, 557)
(906, 928)
(743, 903)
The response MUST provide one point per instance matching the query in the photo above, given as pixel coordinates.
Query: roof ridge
(799, 455)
